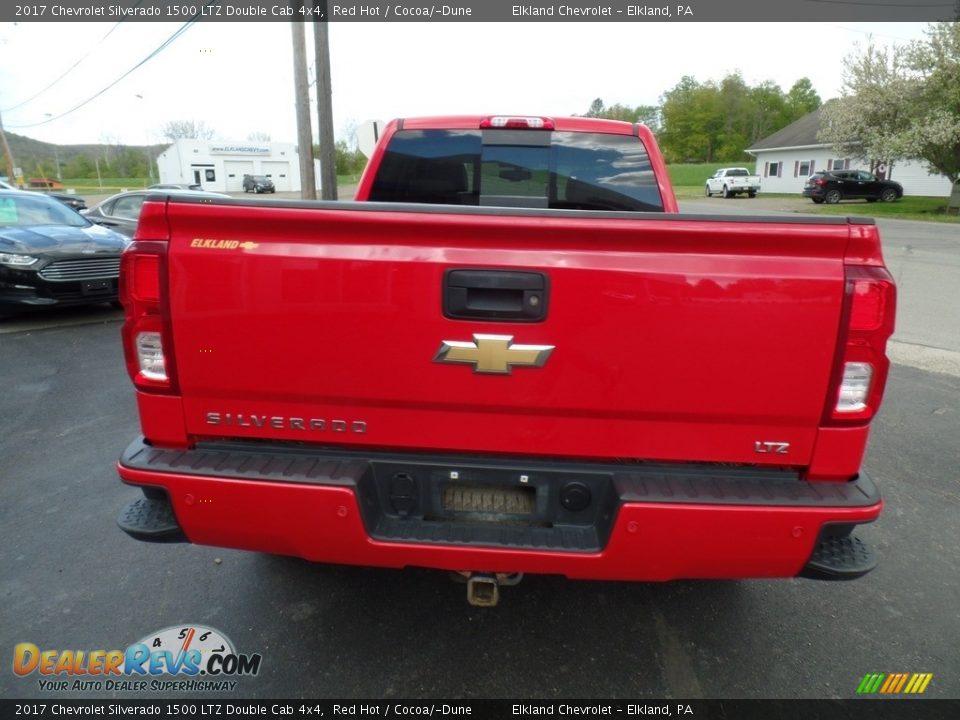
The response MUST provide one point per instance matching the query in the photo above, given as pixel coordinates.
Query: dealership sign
(239, 149)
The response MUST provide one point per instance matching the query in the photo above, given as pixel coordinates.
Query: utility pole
(308, 183)
(7, 154)
(328, 150)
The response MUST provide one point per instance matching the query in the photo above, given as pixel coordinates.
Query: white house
(788, 157)
(222, 165)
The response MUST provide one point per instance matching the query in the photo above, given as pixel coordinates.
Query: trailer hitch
(483, 589)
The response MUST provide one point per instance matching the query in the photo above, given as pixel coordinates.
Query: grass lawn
(695, 174)
(110, 185)
(906, 208)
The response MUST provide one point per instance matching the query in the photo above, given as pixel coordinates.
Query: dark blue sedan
(51, 255)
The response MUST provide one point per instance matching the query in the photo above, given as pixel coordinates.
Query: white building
(221, 166)
(788, 157)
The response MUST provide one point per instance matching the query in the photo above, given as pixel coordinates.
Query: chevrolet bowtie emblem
(493, 353)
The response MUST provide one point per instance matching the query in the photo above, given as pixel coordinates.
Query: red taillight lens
(144, 278)
(861, 372)
(147, 341)
(820, 182)
(868, 309)
(516, 122)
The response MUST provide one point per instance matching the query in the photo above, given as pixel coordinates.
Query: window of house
(773, 169)
(838, 164)
(803, 168)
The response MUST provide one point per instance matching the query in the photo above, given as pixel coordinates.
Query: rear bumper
(644, 522)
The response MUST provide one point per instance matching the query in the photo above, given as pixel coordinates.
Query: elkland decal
(199, 657)
(215, 244)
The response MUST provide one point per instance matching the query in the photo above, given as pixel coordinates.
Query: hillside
(38, 158)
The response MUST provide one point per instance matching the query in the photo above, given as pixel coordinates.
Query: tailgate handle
(505, 295)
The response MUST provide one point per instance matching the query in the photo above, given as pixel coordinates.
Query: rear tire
(888, 195)
(751, 193)
(832, 197)
(726, 192)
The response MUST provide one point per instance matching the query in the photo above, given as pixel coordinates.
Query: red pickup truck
(512, 355)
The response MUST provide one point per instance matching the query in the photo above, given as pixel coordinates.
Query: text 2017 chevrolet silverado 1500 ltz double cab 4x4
(512, 355)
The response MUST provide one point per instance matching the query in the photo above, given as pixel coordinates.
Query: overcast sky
(238, 79)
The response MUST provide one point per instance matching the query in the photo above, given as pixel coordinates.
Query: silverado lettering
(279, 422)
(678, 345)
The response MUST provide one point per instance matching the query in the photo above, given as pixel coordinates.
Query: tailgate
(669, 338)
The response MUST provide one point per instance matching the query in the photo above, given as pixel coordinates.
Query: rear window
(518, 168)
(737, 172)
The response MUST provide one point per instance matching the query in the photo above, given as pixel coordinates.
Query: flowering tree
(901, 103)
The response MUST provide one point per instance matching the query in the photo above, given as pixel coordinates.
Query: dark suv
(258, 184)
(832, 187)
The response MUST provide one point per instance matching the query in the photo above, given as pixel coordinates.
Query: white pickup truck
(732, 181)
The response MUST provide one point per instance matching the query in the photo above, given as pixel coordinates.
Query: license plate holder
(96, 287)
(489, 500)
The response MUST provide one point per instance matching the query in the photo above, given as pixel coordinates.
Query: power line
(183, 28)
(66, 72)
(871, 33)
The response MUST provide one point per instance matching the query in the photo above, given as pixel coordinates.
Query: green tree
(714, 122)
(596, 108)
(901, 103)
(769, 111)
(693, 120)
(649, 115)
(802, 99)
(80, 166)
(349, 161)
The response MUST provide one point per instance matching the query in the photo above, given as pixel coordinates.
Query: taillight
(147, 340)
(861, 372)
(820, 182)
(518, 122)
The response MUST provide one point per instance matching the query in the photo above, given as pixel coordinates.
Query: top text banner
(484, 11)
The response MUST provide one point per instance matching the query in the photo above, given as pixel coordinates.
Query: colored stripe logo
(894, 683)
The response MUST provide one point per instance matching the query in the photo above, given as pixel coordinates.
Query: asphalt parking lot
(70, 579)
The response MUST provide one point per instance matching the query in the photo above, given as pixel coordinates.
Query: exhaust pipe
(483, 589)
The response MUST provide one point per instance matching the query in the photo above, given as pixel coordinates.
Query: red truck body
(675, 410)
